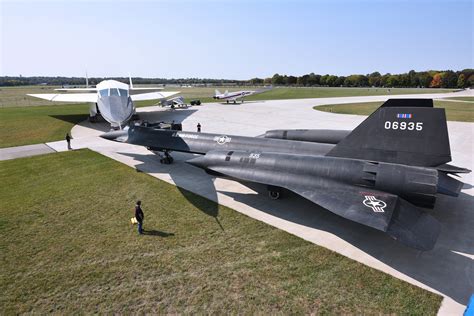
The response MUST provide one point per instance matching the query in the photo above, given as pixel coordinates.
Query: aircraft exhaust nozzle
(118, 136)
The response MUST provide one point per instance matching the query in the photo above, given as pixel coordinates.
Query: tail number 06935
(409, 126)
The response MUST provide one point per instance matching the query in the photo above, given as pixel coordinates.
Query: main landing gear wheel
(166, 159)
(274, 192)
(274, 195)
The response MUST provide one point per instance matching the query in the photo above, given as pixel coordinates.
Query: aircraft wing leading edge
(71, 97)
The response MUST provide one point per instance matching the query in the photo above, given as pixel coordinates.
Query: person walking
(139, 216)
(68, 140)
(199, 127)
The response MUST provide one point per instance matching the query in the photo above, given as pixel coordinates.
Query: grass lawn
(16, 96)
(455, 111)
(470, 99)
(67, 246)
(38, 124)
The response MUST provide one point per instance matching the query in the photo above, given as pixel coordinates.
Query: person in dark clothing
(68, 140)
(139, 216)
(199, 127)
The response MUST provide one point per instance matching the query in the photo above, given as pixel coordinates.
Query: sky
(233, 39)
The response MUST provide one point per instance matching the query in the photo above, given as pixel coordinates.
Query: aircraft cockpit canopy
(113, 92)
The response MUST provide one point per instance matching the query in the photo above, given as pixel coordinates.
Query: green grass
(67, 246)
(469, 99)
(16, 96)
(38, 124)
(455, 111)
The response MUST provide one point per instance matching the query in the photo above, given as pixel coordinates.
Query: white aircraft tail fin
(217, 92)
(226, 92)
(131, 83)
(87, 81)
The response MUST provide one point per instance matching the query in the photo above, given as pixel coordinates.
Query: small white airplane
(111, 98)
(234, 96)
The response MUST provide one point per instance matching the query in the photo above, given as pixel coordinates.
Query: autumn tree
(436, 82)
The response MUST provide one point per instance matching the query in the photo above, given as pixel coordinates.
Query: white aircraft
(111, 98)
(233, 96)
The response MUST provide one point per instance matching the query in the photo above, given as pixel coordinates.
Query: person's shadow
(153, 232)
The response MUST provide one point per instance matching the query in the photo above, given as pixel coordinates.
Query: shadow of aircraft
(182, 175)
(71, 118)
(444, 268)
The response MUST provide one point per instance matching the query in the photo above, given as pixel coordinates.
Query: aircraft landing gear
(235, 102)
(227, 101)
(166, 159)
(274, 192)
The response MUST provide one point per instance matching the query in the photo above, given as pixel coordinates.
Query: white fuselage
(114, 102)
(233, 96)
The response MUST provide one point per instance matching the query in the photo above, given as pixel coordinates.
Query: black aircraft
(376, 175)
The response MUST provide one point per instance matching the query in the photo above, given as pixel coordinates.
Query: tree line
(412, 79)
(81, 81)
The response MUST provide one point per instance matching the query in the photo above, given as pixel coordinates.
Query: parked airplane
(377, 175)
(234, 96)
(110, 98)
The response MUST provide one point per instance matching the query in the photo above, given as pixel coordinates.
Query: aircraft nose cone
(118, 136)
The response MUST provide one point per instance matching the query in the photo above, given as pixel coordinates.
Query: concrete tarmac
(24, 151)
(448, 269)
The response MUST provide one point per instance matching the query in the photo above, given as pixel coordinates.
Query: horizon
(173, 40)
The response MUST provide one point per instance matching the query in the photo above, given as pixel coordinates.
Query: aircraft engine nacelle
(326, 136)
(417, 185)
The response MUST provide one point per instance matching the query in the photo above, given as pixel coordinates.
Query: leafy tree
(375, 79)
(470, 81)
(292, 80)
(324, 80)
(339, 81)
(313, 79)
(331, 81)
(461, 81)
(449, 79)
(393, 81)
(277, 79)
(303, 80)
(425, 79)
(256, 81)
(436, 82)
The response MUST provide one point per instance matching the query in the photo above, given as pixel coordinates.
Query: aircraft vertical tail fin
(217, 92)
(404, 131)
(130, 79)
(87, 80)
(226, 92)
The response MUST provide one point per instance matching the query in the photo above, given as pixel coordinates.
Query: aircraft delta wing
(378, 175)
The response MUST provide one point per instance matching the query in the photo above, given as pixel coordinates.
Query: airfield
(447, 270)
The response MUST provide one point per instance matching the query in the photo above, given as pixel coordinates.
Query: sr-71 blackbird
(377, 175)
